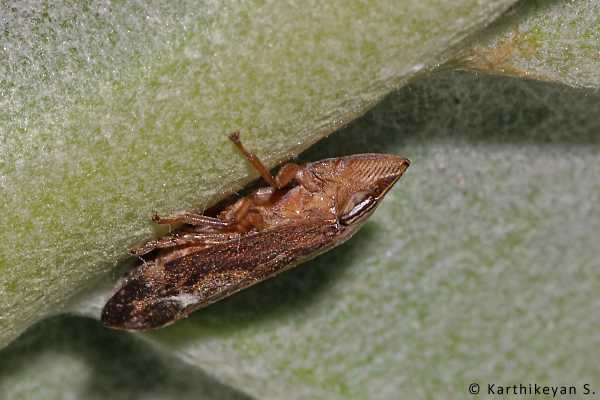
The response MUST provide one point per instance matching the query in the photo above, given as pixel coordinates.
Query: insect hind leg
(192, 219)
(182, 238)
(167, 241)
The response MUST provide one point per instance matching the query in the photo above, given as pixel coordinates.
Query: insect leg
(235, 138)
(192, 219)
(238, 213)
(178, 239)
(304, 177)
(153, 244)
(285, 175)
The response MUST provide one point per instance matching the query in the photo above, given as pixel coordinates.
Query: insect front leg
(289, 171)
(241, 216)
(304, 177)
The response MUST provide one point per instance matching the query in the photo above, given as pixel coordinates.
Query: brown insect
(306, 210)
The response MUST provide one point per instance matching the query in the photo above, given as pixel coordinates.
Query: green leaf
(115, 111)
(479, 267)
(546, 40)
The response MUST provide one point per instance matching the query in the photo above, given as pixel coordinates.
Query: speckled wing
(147, 298)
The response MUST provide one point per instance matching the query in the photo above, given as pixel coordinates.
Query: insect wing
(151, 296)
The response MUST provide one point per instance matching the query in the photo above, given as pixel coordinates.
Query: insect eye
(360, 205)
